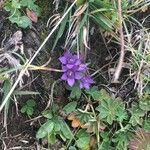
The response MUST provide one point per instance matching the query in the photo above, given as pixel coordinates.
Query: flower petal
(70, 66)
(63, 60)
(78, 75)
(71, 81)
(81, 85)
(90, 80)
(87, 85)
(64, 77)
(82, 67)
(77, 62)
(86, 81)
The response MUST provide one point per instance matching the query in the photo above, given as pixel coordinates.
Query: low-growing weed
(105, 122)
(29, 107)
(54, 126)
(16, 10)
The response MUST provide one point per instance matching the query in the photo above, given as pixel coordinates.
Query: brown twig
(122, 53)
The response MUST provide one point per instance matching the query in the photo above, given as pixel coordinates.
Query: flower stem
(33, 67)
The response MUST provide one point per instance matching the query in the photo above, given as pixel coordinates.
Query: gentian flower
(70, 75)
(73, 69)
(82, 67)
(69, 60)
(86, 81)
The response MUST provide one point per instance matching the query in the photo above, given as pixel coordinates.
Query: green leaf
(107, 111)
(57, 127)
(14, 19)
(83, 142)
(61, 28)
(28, 107)
(24, 109)
(24, 22)
(31, 5)
(121, 112)
(65, 129)
(147, 88)
(121, 140)
(31, 103)
(56, 121)
(16, 4)
(72, 148)
(94, 92)
(82, 133)
(75, 91)
(111, 110)
(70, 107)
(121, 115)
(62, 136)
(83, 116)
(29, 111)
(21, 21)
(103, 22)
(105, 145)
(144, 102)
(45, 129)
(5, 89)
(146, 124)
(104, 94)
(51, 138)
(27, 3)
(136, 115)
(8, 7)
(47, 114)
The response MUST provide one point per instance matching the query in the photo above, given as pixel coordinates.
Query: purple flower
(70, 75)
(82, 67)
(74, 70)
(86, 81)
(69, 60)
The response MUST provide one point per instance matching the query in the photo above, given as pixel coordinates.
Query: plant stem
(122, 53)
(33, 67)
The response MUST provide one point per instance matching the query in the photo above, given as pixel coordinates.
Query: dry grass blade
(122, 53)
(71, 29)
(85, 37)
(80, 10)
(141, 140)
(51, 18)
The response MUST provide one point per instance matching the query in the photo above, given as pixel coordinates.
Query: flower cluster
(73, 70)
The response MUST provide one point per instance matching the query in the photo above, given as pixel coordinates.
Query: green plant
(83, 139)
(29, 107)
(7, 84)
(54, 126)
(104, 118)
(109, 113)
(75, 91)
(15, 8)
(94, 93)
